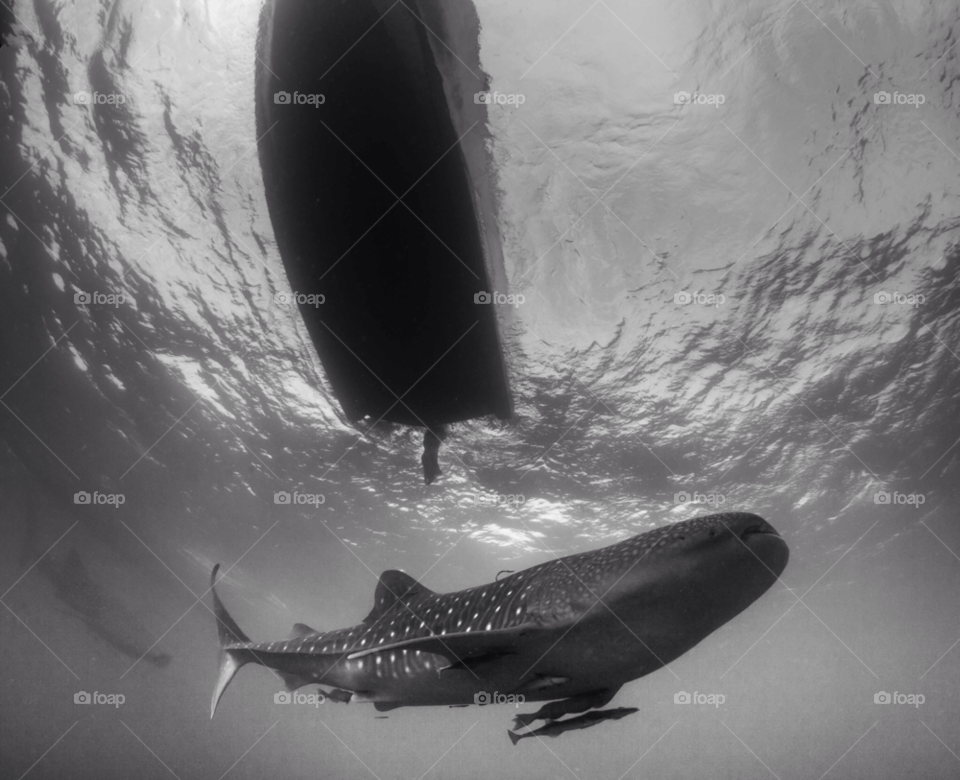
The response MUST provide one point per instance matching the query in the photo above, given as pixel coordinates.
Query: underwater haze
(726, 237)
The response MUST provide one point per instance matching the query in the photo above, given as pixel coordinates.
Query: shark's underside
(573, 629)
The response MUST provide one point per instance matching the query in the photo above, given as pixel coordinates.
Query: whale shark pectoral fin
(540, 682)
(293, 681)
(474, 662)
(385, 706)
(461, 647)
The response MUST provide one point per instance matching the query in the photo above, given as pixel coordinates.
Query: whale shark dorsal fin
(394, 586)
(301, 630)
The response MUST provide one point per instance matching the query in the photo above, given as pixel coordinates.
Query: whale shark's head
(710, 567)
(724, 540)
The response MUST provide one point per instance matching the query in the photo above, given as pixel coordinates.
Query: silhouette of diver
(432, 438)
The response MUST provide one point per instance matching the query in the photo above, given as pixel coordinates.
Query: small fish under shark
(571, 631)
(555, 728)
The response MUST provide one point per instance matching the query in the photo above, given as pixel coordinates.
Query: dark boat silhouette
(375, 213)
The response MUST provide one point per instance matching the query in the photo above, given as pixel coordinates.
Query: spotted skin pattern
(552, 595)
(550, 588)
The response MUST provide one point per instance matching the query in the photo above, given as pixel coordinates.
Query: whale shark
(570, 631)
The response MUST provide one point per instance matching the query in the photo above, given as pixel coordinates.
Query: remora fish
(557, 727)
(574, 629)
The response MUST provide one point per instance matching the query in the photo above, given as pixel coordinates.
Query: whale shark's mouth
(763, 541)
(761, 527)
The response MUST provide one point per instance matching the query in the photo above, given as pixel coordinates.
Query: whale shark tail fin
(514, 737)
(231, 658)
